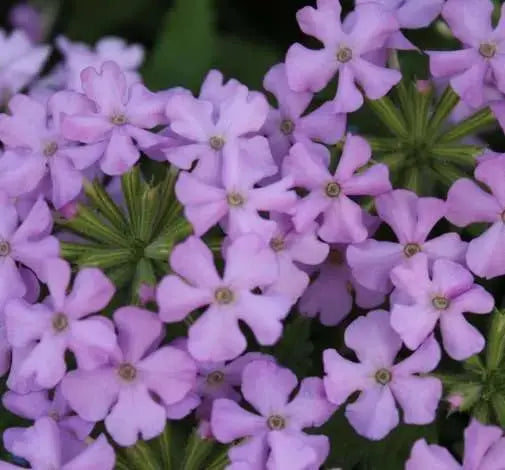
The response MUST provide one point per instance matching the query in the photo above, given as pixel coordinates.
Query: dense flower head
(275, 437)
(164, 253)
(380, 381)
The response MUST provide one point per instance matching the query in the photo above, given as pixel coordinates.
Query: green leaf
(498, 402)
(185, 47)
(294, 349)
(384, 144)
(141, 457)
(495, 350)
(132, 186)
(483, 119)
(144, 274)
(443, 108)
(390, 116)
(163, 245)
(88, 224)
(457, 153)
(104, 203)
(104, 257)
(197, 451)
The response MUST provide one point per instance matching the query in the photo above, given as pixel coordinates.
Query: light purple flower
(216, 380)
(123, 390)
(35, 405)
(23, 244)
(215, 335)
(235, 203)
(484, 53)
(220, 135)
(20, 62)
(410, 14)
(468, 203)
(381, 382)
(122, 121)
(312, 70)
(37, 149)
(29, 19)
(332, 293)
(412, 218)
(293, 250)
(59, 325)
(216, 90)
(484, 450)
(79, 56)
(277, 432)
(40, 445)
(444, 296)
(290, 123)
(329, 193)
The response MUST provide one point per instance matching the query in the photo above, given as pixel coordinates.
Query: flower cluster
(291, 214)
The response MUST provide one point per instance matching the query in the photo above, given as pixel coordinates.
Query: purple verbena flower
(380, 381)
(292, 251)
(483, 56)
(123, 389)
(220, 135)
(329, 193)
(59, 324)
(468, 203)
(27, 18)
(35, 405)
(215, 335)
(412, 218)
(484, 450)
(122, 119)
(332, 293)
(290, 123)
(41, 446)
(20, 62)
(38, 150)
(312, 70)
(277, 432)
(235, 203)
(444, 296)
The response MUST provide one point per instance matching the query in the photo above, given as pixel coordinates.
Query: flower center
(344, 54)
(277, 244)
(383, 376)
(127, 372)
(60, 322)
(411, 249)
(216, 142)
(287, 126)
(223, 296)
(118, 119)
(440, 302)
(276, 423)
(50, 149)
(332, 189)
(5, 248)
(215, 378)
(335, 258)
(235, 199)
(487, 50)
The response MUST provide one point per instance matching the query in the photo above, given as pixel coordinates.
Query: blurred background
(183, 38)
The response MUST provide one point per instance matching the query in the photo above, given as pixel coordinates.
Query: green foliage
(177, 448)
(349, 450)
(132, 244)
(425, 150)
(481, 384)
